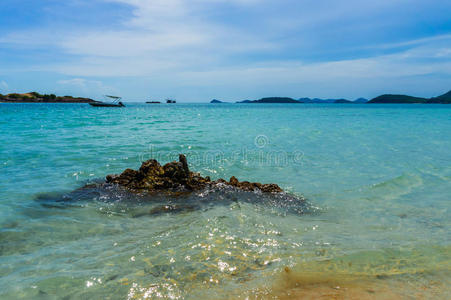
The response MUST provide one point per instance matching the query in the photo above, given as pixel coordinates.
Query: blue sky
(197, 50)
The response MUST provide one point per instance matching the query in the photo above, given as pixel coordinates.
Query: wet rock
(203, 194)
(176, 177)
(254, 186)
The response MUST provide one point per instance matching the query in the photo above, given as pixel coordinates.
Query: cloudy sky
(196, 50)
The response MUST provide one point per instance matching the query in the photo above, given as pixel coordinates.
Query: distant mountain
(343, 101)
(361, 100)
(34, 97)
(216, 101)
(272, 100)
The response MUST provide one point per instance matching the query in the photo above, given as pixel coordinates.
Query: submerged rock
(176, 177)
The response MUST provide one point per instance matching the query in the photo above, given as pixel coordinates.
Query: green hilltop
(34, 97)
(389, 98)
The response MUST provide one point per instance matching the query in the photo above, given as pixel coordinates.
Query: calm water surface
(378, 176)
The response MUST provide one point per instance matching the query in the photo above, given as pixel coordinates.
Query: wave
(397, 186)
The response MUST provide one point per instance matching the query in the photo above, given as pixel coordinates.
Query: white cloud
(415, 61)
(165, 30)
(129, 43)
(84, 86)
(292, 72)
(342, 78)
(415, 42)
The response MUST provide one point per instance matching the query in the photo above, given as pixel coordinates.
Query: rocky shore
(176, 177)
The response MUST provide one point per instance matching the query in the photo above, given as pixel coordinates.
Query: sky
(198, 50)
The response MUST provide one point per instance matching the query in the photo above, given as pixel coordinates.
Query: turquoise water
(379, 177)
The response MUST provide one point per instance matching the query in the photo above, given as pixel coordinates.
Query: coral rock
(176, 176)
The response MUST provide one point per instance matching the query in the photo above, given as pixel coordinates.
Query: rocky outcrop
(176, 177)
(155, 190)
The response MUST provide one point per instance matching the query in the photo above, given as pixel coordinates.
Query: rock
(254, 186)
(233, 181)
(182, 159)
(176, 177)
(155, 190)
(271, 188)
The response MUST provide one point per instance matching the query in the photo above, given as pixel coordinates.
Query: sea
(374, 180)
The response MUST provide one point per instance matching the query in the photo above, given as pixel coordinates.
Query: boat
(115, 102)
(171, 101)
(153, 102)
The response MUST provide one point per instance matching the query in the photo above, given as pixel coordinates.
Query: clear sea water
(379, 177)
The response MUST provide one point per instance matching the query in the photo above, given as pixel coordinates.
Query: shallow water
(377, 179)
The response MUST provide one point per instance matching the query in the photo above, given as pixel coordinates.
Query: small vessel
(153, 102)
(171, 101)
(115, 102)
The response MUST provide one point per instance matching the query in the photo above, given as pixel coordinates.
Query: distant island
(272, 100)
(342, 101)
(318, 100)
(387, 99)
(291, 100)
(34, 97)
